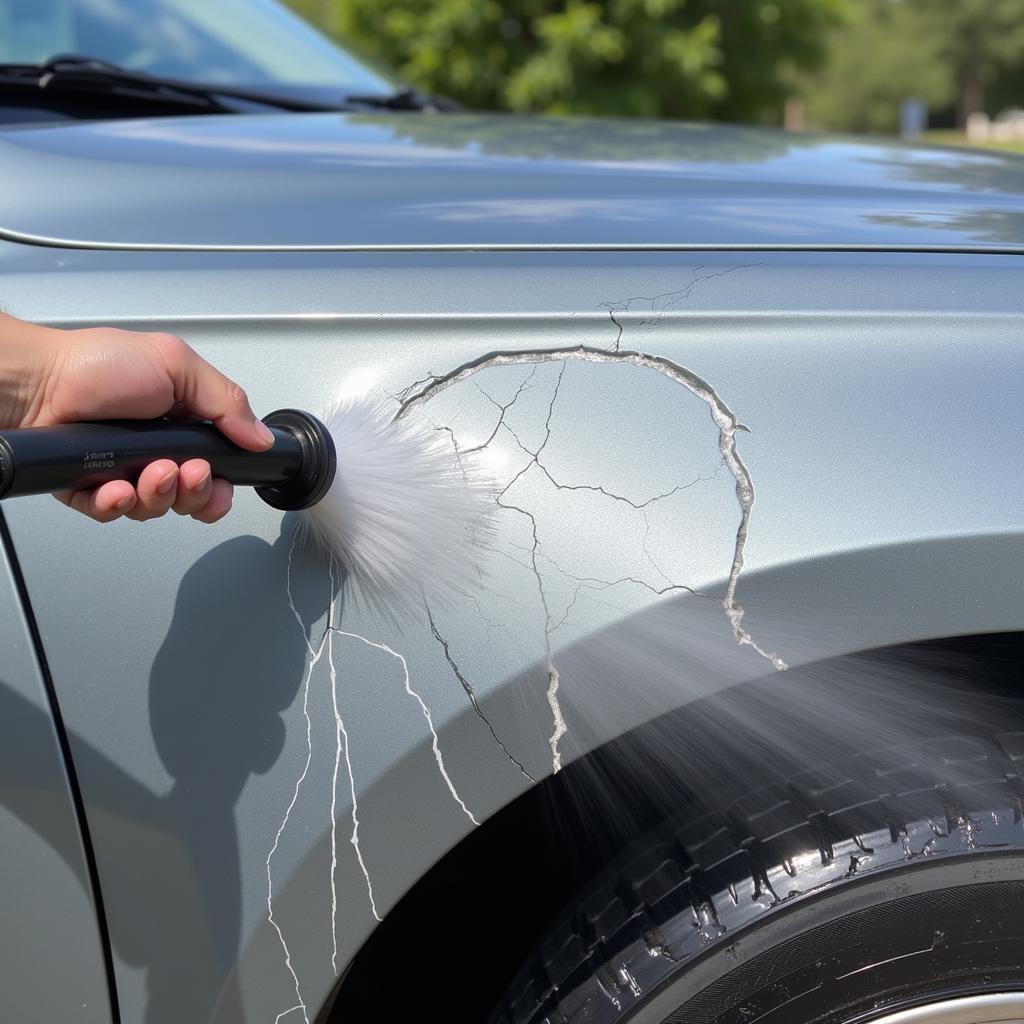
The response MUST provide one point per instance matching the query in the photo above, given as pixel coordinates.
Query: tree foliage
(967, 54)
(726, 59)
(853, 61)
(887, 51)
(982, 41)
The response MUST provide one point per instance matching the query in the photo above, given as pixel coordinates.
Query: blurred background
(949, 71)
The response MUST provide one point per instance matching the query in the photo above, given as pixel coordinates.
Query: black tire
(825, 897)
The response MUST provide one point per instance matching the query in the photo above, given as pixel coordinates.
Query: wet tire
(832, 896)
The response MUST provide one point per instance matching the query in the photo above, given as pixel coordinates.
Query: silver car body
(856, 306)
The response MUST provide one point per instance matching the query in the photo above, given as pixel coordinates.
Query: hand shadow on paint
(230, 666)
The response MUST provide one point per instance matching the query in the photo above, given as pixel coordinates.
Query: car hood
(331, 181)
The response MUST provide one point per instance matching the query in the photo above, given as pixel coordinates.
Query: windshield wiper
(74, 81)
(405, 99)
(77, 77)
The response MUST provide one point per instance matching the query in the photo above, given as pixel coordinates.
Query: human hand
(50, 376)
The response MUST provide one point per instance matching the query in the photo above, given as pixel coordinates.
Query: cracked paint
(314, 657)
(435, 743)
(342, 747)
(661, 303)
(530, 556)
(557, 719)
(724, 419)
(342, 751)
(471, 693)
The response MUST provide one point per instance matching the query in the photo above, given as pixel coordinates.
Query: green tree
(982, 40)
(728, 59)
(887, 51)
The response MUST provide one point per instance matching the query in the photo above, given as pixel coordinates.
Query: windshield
(254, 43)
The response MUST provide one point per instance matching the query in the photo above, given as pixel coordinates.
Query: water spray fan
(383, 494)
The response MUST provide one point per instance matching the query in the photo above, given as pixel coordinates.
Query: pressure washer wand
(294, 474)
(399, 509)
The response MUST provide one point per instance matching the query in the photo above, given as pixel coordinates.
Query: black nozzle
(317, 465)
(294, 474)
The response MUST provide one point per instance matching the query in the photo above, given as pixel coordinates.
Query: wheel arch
(973, 612)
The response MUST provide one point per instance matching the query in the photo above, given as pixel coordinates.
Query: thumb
(205, 392)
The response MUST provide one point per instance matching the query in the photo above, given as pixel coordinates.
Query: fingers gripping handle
(295, 473)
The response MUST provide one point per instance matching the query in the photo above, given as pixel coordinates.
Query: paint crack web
(618, 483)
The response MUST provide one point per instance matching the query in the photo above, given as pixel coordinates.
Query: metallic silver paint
(881, 390)
(51, 967)
(399, 181)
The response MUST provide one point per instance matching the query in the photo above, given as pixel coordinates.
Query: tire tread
(723, 868)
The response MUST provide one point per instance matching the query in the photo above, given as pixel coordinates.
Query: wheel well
(449, 948)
